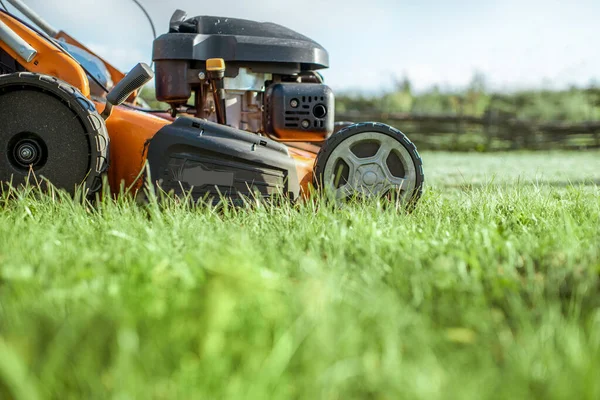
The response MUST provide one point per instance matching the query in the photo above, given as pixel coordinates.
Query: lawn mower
(249, 115)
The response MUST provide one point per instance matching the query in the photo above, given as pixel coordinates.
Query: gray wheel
(370, 160)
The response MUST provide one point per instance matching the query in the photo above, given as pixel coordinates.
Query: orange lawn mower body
(261, 123)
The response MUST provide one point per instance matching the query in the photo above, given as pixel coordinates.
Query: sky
(373, 43)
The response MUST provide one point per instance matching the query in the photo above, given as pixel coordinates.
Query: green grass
(489, 289)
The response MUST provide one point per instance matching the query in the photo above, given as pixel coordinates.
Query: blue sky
(515, 44)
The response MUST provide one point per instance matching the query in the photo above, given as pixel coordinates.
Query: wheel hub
(27, 150)
(370, 178)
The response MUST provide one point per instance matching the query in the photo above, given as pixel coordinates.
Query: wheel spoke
(353, 163)
(344, 191)
(396, 183)
(351, 159)
(383, 152)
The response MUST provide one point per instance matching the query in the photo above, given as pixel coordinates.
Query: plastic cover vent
(296, 109)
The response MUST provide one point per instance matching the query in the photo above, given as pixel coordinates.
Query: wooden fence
(493, 131)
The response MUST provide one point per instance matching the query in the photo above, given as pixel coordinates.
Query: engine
(290, 108)
(268, 82)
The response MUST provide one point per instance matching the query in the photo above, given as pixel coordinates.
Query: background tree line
(573, 104)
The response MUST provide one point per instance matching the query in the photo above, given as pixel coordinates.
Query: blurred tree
(476, 98)
(148, 94)
(400, 100)
(434, 101)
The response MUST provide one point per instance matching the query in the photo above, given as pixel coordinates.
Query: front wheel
(370, 160)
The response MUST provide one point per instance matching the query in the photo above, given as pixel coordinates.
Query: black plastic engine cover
(211, 160)
(240, 42)
(296, 109)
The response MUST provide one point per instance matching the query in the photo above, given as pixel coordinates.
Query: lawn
(489, 289)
